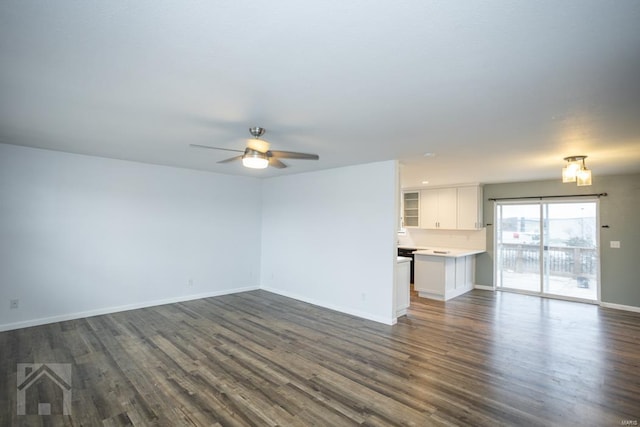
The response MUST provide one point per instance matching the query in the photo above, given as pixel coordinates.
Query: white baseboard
(484, 287)
(430, 295)
(109, 310)
(450, 294)
(620, 307)
(346, 310)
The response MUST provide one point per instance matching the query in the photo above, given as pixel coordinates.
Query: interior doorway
(548, 248)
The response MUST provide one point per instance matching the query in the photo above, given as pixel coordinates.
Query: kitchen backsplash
(459, 239)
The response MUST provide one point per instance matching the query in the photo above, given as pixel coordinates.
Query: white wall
(83, 235)
(329, 237)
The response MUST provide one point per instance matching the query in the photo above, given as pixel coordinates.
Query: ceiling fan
(257, 155)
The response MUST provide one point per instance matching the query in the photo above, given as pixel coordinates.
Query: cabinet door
(411, 209)
(469, 208)
(439, 208)
(447, 208)
(402, 286)
(430, 274)
(429, 209)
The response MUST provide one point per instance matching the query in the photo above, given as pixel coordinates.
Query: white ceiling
(499, 90)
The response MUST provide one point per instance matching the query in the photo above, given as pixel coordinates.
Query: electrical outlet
(615, 244)
(190, 283)
(14, 303)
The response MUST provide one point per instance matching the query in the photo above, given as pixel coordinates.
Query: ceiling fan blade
(215, 148)
(276, 163)
(294, 155)
(231, 159)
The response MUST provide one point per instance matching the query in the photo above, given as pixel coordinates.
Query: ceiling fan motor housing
(257, 132)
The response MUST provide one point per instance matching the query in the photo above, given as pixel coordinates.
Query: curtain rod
(548, 197)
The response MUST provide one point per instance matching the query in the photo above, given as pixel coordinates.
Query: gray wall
(620, 268)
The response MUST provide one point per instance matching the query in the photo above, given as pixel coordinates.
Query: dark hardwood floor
(260, 359)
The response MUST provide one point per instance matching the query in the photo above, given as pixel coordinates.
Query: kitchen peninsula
(444, 273)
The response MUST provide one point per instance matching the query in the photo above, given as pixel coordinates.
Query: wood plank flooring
(482, 359)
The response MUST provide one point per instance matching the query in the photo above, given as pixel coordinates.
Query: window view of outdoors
(564, 234)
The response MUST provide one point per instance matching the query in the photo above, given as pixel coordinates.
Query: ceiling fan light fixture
(255, 160)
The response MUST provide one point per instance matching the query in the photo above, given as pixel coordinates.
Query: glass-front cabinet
(411, 209)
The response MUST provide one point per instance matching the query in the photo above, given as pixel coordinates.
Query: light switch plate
(615, 244)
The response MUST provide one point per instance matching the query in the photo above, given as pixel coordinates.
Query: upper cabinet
(438, 208)
(411, 209)
(469, 208)
(453, 208)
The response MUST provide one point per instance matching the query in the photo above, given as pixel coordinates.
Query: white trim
(429, 187)
(599, 245)
(620, 307)
(484, 287)
(496, 252)
(109, 310)
(357, 313)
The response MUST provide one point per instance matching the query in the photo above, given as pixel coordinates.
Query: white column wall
(328, 238)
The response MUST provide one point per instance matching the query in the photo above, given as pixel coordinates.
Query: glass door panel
(571, 250)
(518, 246)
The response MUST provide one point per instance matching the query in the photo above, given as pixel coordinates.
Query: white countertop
(449, 252)
(419, 248)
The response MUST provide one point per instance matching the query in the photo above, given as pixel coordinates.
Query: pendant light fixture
(576, 171)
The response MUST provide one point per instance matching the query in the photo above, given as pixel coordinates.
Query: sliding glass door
(548, 248)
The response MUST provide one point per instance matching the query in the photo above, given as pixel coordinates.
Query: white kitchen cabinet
(410, 209)
(449, 208)
(403, 277)
(443, 278)
(469, 208)
(438, 208)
